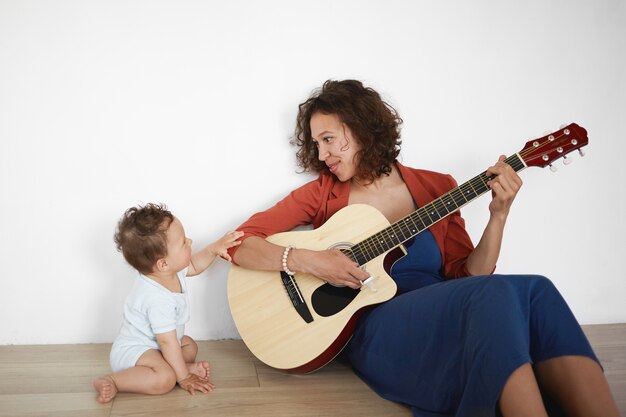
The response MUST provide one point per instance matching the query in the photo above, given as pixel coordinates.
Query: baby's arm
(202, 259)
(173, 354)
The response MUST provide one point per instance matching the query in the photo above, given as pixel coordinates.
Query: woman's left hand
(504, 187)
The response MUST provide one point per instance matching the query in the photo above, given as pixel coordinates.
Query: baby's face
(178, 246)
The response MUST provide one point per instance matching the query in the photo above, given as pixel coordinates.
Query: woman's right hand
(329, 265)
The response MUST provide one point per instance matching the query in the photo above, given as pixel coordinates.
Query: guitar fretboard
(424, 217)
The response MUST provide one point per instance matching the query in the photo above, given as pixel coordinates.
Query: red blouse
(315, 202)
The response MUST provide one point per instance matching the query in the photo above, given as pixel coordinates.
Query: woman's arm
(482, 260)
(299, 208)
(329, 265)
(257, 253)
(504, 187)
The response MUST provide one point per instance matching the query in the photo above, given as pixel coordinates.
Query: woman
(446, 347)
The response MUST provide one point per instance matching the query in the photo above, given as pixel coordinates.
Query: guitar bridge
(291, 286)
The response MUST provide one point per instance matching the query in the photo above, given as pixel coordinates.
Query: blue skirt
(446, 348)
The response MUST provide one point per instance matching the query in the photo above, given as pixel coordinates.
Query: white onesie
(150, 309)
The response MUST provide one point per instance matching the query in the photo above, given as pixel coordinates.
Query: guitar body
(300, 323)
(266, 318)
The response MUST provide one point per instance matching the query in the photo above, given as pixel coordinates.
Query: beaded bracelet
(285, 254)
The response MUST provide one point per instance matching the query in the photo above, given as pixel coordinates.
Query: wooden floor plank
(56, 380)
(606, 334)
(52, 405)
(287, 401)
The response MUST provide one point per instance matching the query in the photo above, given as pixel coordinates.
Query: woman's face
(335, 145)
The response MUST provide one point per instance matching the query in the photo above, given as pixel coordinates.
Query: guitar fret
(406, 227)
(387, 239)
(414, 229)
(515, 162)
(448, 203)
(468, 191)
(424, 217)
(348, 253)
(360, 248)
(472, 186)
(376, 240)
(360, 257)
(393, 237)
(400, 232)
(441, 208)
(432, 212)
(458, 197)
(415, 218)
(483, 182)
(369, 248)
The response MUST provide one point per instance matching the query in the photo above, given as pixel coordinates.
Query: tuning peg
(553, 168)
(581, 152)
(567, 161)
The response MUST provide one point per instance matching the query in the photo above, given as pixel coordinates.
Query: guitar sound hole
(328, 300)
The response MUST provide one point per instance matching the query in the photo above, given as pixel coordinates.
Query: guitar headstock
(547, 149)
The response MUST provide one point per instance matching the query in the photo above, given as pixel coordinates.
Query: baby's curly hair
(141, 235)
(373, 122)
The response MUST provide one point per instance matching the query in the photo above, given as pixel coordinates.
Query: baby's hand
(220, 247)
(193, 383)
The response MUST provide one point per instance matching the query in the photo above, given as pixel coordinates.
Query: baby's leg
(151, 375)
(200, 368)
(190, 350)
(106, 388)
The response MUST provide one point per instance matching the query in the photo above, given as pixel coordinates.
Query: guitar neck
(425, 216)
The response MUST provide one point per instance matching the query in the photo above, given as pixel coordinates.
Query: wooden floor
(55, 380)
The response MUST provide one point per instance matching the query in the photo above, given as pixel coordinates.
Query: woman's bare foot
(106, 388)
(200, 368)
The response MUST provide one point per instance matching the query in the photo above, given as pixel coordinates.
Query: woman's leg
(451, 348)
(565, 365)
(578, 384)
(521, 396)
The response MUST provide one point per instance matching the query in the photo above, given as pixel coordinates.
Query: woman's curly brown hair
(373, 122)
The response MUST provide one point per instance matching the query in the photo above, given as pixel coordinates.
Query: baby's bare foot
(106, 388)
(200, 368)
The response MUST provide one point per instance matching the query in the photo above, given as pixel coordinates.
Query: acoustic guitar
(300, 323)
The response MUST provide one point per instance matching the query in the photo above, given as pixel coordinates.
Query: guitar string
(435, 211)
(392, 230)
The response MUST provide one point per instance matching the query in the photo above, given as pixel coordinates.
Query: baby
(151, 354)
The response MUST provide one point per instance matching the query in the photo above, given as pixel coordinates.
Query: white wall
(105, 104)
